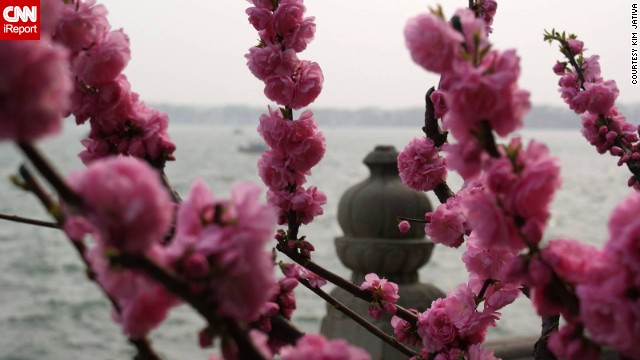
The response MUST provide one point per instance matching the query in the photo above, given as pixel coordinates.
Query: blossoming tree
(149, 250)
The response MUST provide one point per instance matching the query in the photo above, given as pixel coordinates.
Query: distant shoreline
(540, 117)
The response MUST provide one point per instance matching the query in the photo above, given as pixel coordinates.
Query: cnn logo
(15, 13)
(20, 20)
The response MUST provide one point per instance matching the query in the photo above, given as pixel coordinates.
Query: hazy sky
(192, 52)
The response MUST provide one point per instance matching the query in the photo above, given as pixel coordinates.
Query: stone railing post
(372, 243)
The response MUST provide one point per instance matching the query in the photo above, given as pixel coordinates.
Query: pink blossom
(447, 224)
(591, 69)
(610, 316)
(104, 61)
(486, 263)
(492, 226)
(537, 182)
(110, 102)
(83, 25)
(477, 352)
(384, 293)
(301, 36)
(314, 279)
(50, 15)
(460, 306)
(35, 86)
(143, 303)
(624, 229)
(229, 234)
(261, 18)
(273, 170)
(576, 46)
(568, 343)
(439, 104)
(280, 89)
(404, 226)
(560, 68)
(487, 92)
(307, 204)
(432, 42)
(435, 327)
(271, 60)
(288, 16)
(126, 201)
(308, 84)
(404, 332)
(570, 259)
(597, 98)
(316, 347)
(488, 12)
(299, 141)
(501, 294)
(604, 137)
(420, 165)
(474, 29)
(465, 157)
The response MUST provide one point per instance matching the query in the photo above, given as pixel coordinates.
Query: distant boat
(253, 148)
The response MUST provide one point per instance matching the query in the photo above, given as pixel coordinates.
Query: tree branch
(360, 320)
(24, 220)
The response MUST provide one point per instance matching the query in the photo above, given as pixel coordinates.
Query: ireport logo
(20, 20)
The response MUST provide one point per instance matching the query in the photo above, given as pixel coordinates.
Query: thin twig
(360, 320)
(49, 173)
(145, 351)
(342, 283)
(24, 220)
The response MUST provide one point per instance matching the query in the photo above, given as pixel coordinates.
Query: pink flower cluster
(384, 293)
(447, 224)
(125, 209)
(213, 243)
(295, 147)
(316, 347)
(478, 85)
(511, 209)
(125, 201)
(454, 326)
(420, 165)
(607, 286)
(120, 122)
(284, 31)
(586, 92)
(35, 83)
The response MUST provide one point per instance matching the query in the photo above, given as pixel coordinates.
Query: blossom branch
(246, 347)
(360, 320)
(550, 325)
(142, 345)
(341, 282)
(24, 220)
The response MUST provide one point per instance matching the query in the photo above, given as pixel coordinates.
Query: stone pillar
(372, 243)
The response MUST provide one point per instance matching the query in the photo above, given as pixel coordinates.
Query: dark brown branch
(143, 346)
(284, 330)
(49, 173)
(23, 220)
(342, 283)
(431, 128)
(360, 320)
(32, 184)
(443, 192)
(145, 351)
(549, 325)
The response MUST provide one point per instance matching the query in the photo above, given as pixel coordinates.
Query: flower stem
(24, 220)
(360, 320)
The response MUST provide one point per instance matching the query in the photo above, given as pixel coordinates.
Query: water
(49, 310)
